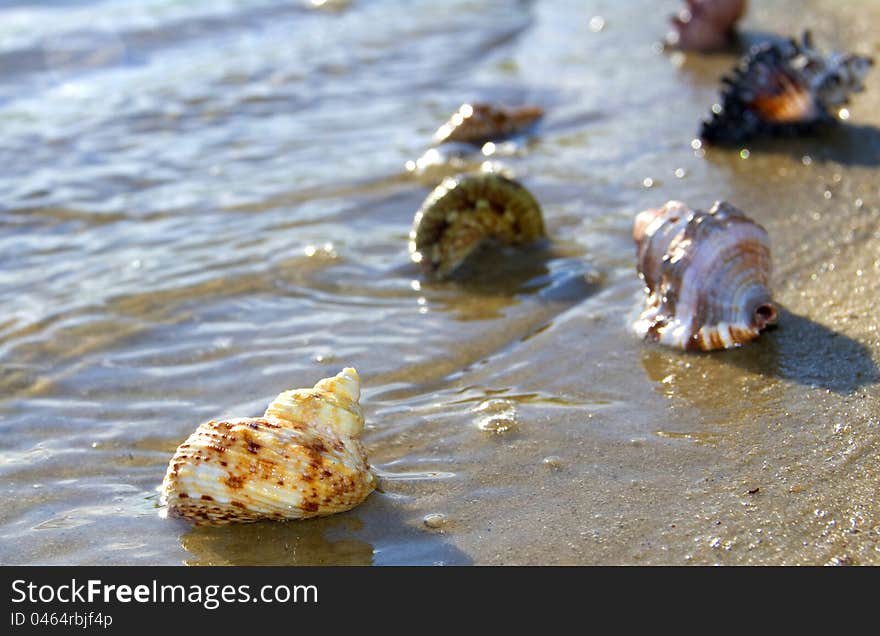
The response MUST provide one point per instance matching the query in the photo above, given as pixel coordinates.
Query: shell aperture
(463, 212)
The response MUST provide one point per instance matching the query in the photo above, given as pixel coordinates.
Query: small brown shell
(784, 89)
(301, 459)
(463, 212)
(478, 123)
(706, 277)
(706, 25)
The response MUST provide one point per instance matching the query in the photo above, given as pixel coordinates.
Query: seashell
(706, 275)
(784, 89)
(705, 25)
(478, 123)
(463, 212)
(301, 459)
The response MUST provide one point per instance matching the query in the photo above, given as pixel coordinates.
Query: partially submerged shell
(301, 459)
(784, 89)
(706, 275)
(478, 123)
(463, 212)
(705, 25)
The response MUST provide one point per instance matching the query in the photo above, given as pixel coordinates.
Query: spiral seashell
(478, 123)
(705, 25)
(463, 212)
(301, 459)
(706, 275)
(784, 89)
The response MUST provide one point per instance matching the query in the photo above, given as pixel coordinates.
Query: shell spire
(706, 277)
(302, 459)
(333, 401)
(465, 211)
(784, 89)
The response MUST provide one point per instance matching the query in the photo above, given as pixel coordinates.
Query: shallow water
(205, 203)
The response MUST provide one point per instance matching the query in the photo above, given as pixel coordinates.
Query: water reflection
(376, 533)
(271, 543)
(710, 382)
(799, 350)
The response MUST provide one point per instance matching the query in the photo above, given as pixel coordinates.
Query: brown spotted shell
(463, 212)
(301, 459)
(706, 277)
(478, 123)
(705, 25)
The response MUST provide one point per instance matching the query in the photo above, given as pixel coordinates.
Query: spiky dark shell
(766, 96)
(785, 88)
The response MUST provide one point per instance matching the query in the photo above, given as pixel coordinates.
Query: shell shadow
(809, 353)
(843, 143)
(799, 350)
(838, 142)
(373, 534)
(532, 269)
(496, 277)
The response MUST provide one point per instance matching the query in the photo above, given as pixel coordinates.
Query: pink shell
(706, 25)
(706, 277)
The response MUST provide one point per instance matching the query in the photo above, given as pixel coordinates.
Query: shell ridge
(463, 212)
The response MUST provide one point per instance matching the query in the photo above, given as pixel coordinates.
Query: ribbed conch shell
(784, 89)
(301, 459)
(478, 123)
(463, 212)
(705, 25)
(706, 275)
